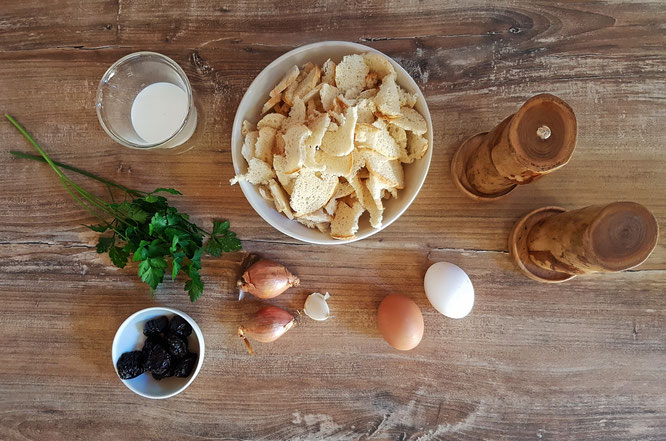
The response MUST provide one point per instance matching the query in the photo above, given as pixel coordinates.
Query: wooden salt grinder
(553, 245)
(535, 141)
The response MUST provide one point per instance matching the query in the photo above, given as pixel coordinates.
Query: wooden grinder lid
(543, 133)
(622, 235)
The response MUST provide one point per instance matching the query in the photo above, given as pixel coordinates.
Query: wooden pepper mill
(535, 141)
(553, 245)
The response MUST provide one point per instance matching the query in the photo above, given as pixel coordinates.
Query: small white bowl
(250, 108)
(129, 337)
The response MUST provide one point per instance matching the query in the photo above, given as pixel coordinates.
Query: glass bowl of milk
(144, 101)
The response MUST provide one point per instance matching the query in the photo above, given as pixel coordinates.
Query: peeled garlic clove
(266, 325)
(267, 279)
(316, 307)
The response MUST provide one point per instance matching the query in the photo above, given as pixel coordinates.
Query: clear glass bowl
(121, 84)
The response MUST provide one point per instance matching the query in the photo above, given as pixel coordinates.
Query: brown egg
(400, 322)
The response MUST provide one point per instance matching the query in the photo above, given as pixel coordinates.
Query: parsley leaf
(151, 271)
(98, 228)
(104, 243)
(194, 286)
(177, 264)
(167, 190)
(119, 256)
(157, 224)
(222, 239)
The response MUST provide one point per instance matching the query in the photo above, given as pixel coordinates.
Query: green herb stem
(79, 171)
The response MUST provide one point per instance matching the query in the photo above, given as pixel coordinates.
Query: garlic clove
(316, 307)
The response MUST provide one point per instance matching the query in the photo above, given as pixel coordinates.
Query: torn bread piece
(288, 78)
(280, 199)
(366, 111)
(388, 171)
(376, 188)
(294, 148)
(341, 190)
(312, 93)
(359, 157)
(350, 75)
(345, 102)
(341, 141)
(311, 191)
(345, 222)
(308, 83)
(328, 73)
(399, 134)
(318, 127)
(328, 95)
(247, 127)
(371, 80)
(270, 103)
(378, 64)
(317, 216)
(417, 146)
(406, 99)
(265, 143)
(288, 94)
(297, 115)
(258, 172)
(265, 193)
(321, 226)
(367, 94)
(387, 99)
(285, 179)
(278, 146)
(311, 162)
(273, 120)
(365, 135)
(247, 150)
(368, 202)
(334, 165)
(410, 120)
(383, 142)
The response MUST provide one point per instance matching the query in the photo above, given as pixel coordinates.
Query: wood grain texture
(584, 360)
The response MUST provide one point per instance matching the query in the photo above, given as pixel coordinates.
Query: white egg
(449, 289)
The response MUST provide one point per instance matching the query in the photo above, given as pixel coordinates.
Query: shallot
(267, 279)
(266, 325)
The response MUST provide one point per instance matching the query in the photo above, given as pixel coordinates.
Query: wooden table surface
(583, 360)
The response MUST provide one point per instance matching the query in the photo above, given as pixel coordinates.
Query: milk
(158, 111)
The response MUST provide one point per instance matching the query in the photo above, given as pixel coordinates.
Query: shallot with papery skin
(266, 325)
(267, 279)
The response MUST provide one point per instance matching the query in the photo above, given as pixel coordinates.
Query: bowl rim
(195, 328)
(238, 120)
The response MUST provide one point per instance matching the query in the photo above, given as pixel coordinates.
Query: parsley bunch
(145, 228)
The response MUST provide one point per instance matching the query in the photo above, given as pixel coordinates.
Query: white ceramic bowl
(250, 108)
(129, 337)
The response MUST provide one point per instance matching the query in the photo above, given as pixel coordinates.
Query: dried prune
(151, 342)
(157, 360)
(183, 368)
(130, 365)
(156, 326)
(165, 374)
(180, 326)
(175, 344)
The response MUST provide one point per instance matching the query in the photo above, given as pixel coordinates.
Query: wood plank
(582, 360)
